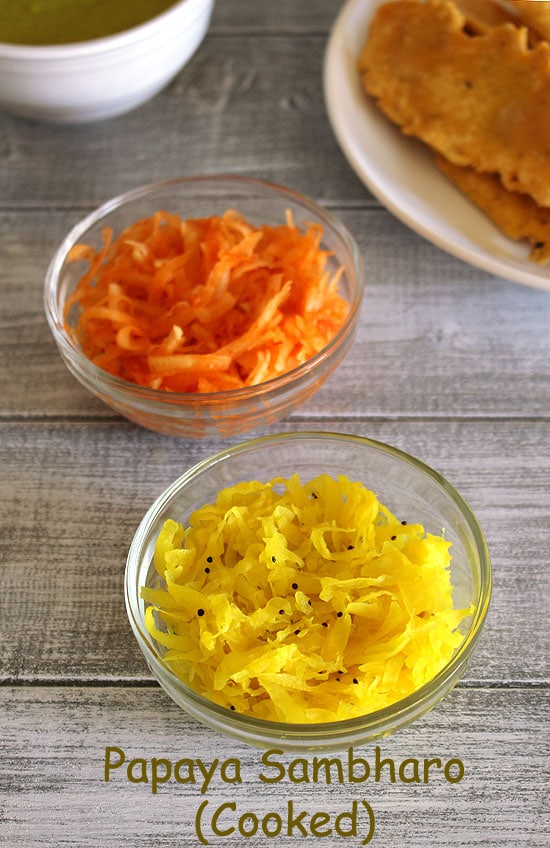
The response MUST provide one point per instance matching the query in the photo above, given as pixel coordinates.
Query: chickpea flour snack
(517, 215)
(472, 81)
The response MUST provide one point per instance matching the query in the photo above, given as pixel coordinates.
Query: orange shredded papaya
(205, 304)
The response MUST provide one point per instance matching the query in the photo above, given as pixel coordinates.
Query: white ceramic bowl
(98, 79)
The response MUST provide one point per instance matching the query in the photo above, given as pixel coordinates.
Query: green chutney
(67, 21)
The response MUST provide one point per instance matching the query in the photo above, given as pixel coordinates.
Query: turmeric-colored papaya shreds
(302, 602)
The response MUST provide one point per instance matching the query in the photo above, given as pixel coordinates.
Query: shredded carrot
(205, 304)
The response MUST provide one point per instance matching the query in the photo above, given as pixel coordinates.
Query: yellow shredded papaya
(302, 602)
(206, 304)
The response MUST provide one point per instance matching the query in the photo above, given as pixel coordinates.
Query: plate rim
(336, 63)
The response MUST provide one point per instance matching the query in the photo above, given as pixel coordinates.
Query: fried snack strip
(534, 14)
(517, 215)
(482, 15)
(481, 101)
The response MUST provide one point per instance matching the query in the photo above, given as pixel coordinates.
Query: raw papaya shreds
(302, 603)
(205, 304)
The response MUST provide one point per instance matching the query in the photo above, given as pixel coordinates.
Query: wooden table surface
(450, 364)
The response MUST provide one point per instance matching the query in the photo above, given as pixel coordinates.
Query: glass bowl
(404, 484)
(222, 413)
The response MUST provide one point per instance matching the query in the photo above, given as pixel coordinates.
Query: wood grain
(449, 363)
(242, 104)
(85, 488)
(434, 339)
(54, 789)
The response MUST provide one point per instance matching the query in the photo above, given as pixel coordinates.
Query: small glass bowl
(218, 413)
(404, 484)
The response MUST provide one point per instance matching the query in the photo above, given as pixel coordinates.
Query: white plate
(400, 171)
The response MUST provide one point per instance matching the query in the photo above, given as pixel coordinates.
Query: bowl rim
(107, 43)
(146, 394)
(336, 732)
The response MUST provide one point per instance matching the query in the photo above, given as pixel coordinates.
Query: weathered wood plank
(53, 790)
(435, 337)
(449, 363)
(243, 104)
(73, 495)
(274, 16)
